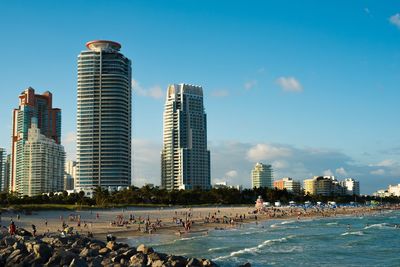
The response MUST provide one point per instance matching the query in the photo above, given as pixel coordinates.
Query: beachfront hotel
(48, 118)
(185, 160)
(329, 186)
(289, 184)
(352, 186)
(261, 176)
(43, 164)
(104, 117)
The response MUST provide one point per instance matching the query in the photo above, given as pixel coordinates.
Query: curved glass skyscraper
(104, 116)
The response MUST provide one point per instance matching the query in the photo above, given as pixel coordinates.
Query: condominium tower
(48, 118)
(261, 176)
(103, 117)
(43, 164)
(3, 169)
(185, 160)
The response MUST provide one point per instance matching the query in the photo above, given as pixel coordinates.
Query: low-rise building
(323, 185)
(394, 190)
(289, 184)
(225, 185)
(381, 193)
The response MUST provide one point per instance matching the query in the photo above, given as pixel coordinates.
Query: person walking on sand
(34, 229)
(12, 228)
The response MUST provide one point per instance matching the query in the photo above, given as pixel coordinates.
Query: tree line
(157, 196)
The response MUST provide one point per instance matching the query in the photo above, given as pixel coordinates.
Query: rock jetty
(80, 251)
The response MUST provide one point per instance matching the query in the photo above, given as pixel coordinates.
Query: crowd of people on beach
(182, 220)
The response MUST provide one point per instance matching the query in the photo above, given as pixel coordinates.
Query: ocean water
(372, 240)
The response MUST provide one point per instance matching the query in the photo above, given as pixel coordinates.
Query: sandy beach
(135, 221)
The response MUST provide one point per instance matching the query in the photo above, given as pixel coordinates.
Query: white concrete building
(261, 176)
(70, 175)
(352, 187)
(289, 184)
(43, 163)
(394, 190)
(185, 160)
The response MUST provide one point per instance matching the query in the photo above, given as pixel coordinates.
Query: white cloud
(265, 151)
(328, 173)
(70, 138)
(232, 173)
(384, 163)
(146, 162)
(155, 92)
(341, 171)
(250, 84)
(279, 164)
(220, 93)
(377, 172)
(289, 84)
(69, 143)
(395, 20)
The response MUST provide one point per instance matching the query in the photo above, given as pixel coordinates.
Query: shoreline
(168, 221)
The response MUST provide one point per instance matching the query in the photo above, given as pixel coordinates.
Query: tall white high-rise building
(261, 176)
(185, 160)
(43, 164)
(104, 117)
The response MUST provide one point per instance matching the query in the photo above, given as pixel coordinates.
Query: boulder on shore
(78, 251)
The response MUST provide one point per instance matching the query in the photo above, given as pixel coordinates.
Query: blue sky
(308, 86)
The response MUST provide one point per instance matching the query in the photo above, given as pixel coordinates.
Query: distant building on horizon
(326, 186)
(224, 184)
(319, 185)
(392, 190)
(48, 120)
(352, 187)
(185, 159)
(7, 177)
(104, 117)
(289, 184)
(69, 175)
(262, 176)
(43, 164)
(3, 169)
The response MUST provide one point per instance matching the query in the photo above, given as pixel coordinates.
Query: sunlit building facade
(185, 159)
(262, 176)
(289, 184)
(103, 117)
(352, 186)
(48, 119)
(43, 164)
